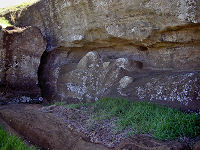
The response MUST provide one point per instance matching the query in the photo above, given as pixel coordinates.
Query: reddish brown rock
(44, 129)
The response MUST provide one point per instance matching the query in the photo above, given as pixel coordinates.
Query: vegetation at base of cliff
(10, 142)
(161, 122)
(20, 6)
(4, 22)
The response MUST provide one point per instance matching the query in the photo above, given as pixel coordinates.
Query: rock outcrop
(95, 23)
(142, 50)
(20, 53)
(97, 75)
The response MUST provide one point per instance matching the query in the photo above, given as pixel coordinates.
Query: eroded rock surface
(100, 74)
(21, 51)
(94, 23)
(51, 67)
(180, 90)
(157, 38)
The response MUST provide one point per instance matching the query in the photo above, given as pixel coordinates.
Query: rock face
(52, 64)
(149, 23)
(98, 74)
(141, 49)
(2, 62)
(20, 56)
(20, 51)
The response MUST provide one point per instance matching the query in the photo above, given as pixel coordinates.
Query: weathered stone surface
(180, 90)
(50, 69)
(95, 23)
(48, 131)
(104, 73)
(20, 56)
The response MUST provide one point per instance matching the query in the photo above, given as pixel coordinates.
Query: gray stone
(95, 23)
(96, 75)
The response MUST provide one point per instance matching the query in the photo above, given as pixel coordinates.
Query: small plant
(4, 22)
(10, 142)
(60, 103)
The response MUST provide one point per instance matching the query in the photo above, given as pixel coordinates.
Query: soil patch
(97, 131)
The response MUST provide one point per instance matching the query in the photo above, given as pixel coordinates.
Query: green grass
(161, 122)
(10, 142)
(4, 22)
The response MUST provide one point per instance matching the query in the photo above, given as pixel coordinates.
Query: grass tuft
(161, 122)
(4, 22)
(10, 142)
(70, 106)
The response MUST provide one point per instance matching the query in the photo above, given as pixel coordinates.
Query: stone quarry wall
(145, 50)
(20, 53)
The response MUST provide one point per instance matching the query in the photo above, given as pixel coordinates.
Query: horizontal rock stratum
(100, 23)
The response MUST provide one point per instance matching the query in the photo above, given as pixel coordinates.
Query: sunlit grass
(161, 122)
(4, 22)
